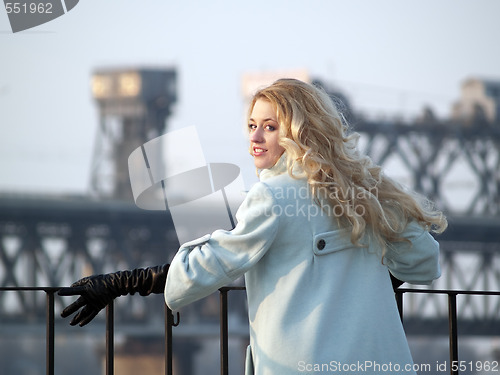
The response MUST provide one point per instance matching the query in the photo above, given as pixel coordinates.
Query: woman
(315, 240)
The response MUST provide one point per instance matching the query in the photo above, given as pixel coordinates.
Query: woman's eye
(270, 127)
(251, 126)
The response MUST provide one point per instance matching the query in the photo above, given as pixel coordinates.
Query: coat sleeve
(416, 261)
(202, 266)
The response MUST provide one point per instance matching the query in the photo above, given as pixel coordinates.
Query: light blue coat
(316, 302)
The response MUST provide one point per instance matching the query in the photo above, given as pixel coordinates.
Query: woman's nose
(257, 136)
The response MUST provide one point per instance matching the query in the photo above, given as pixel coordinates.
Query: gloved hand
(97, 291)
(396, 283)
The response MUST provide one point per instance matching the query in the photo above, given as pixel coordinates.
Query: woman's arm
(202, 266)
(416, 261)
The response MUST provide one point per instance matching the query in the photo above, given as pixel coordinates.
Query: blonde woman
(318, 240)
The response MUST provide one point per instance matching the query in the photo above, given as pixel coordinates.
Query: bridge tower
(133, 107)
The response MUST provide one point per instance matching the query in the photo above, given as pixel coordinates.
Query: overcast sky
(389, 57)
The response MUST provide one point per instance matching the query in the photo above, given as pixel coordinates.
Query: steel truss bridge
(54, 241)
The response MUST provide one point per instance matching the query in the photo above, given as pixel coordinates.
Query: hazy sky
(389, 56)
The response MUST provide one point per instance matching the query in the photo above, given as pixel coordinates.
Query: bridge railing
(172, 321)
(452, 316)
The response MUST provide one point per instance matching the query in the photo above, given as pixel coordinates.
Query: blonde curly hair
(316, 137)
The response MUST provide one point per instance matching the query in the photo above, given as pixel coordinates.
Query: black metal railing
(49, 322)
(172, 321)
(452, 316)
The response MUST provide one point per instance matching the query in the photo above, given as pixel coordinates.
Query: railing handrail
(228, 288)
(449, 291)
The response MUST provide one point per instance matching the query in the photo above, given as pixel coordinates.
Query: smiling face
(263, 128)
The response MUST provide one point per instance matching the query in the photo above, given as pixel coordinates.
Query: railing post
(452, 322)
(110, 326)
(169, 323)
(224, 347)
(399, 302)
(50, 335)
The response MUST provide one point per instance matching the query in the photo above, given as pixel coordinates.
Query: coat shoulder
(285, 186)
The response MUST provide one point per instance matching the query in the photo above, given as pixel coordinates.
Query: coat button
(321, 244)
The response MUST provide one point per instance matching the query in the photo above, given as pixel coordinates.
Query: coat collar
(281, 167)
(278, 168)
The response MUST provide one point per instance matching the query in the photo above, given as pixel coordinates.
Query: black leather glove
(396, 283)
(97, 291)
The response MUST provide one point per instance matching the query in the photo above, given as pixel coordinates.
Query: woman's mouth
(257, 151)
